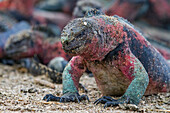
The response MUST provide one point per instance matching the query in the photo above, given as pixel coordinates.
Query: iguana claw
(50, 97)
(69, 97)
(108, 101)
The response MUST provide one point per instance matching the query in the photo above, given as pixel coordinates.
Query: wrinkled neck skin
(107, 35)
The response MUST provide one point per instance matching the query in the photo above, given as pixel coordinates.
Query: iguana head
(23, 44)
(91, 37)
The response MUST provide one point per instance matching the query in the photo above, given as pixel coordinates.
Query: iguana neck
(108, 35)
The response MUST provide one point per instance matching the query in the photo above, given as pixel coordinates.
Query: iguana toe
(108, 101)
(50, 97)
(70, 97)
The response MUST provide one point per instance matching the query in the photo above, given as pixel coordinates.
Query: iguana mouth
(75, 41)
(74, 45)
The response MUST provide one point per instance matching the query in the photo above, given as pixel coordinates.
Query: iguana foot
(68, 97)
(108, 101)
(50, 97)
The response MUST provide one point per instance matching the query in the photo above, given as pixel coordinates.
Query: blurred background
(31, 28)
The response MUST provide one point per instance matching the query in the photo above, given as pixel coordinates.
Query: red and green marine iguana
(122, 61)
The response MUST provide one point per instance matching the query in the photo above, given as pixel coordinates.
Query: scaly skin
(122, 61)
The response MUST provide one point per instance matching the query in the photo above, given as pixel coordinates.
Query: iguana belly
(109, 79)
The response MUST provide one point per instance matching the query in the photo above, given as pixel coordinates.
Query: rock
(131, 107)
(32, 90)
(58, 64)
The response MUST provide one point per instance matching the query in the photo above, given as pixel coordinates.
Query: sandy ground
(20, 93)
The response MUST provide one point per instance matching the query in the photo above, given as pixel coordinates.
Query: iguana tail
(37, 68)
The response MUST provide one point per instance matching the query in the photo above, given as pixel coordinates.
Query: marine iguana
(122, 61)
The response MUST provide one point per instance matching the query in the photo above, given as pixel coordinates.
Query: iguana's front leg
(134, 71)
(71, 75)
